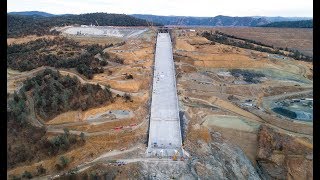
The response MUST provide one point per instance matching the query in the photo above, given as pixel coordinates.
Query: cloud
(170, 7)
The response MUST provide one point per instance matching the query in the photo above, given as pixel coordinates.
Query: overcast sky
(287, 8)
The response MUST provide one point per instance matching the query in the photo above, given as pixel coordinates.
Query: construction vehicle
(133, 124)
(118, 128)
(175, 156)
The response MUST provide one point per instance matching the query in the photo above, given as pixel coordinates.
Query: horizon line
(164, 15)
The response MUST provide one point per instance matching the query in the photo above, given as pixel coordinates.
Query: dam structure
(164, 132)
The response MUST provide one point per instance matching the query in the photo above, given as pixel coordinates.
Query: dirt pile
(282, 156)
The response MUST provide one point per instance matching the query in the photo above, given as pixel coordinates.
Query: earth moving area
(202, 70)
(224, 89)
(164, 134)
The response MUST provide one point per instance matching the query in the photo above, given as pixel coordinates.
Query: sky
(201, 8)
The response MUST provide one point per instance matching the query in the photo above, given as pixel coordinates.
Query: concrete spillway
(164, 132)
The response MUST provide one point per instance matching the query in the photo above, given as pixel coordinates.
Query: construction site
(191, 109)
(164, 132)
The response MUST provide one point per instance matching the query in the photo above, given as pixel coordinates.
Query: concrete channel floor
(164, 133)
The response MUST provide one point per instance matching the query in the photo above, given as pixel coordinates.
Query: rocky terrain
(282, 156)
(216, 158)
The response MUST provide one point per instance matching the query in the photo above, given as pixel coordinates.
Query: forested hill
(204, 21)
(19, 25)
(291, 24)
(32, 13)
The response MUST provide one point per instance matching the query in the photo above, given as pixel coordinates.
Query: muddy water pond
(297, 109)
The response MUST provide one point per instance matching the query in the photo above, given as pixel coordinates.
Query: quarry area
(230, 112)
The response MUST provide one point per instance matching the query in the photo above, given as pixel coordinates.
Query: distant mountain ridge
(204, 21)
(291, 24)
(32, 13)
(217, 20)
(220, 20)
(279, 18)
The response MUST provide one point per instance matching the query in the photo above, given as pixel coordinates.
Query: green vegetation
(128, 76)
(127, 97)
(243, 39)
(54, 94)
(41, 170)
(27, 175)
(291, 24)
(60, 53)
(83, 137)
(231, 40)
(27, 25)
(63, 163)
(23, 144)
(28, 144)
(17, 109)
(62, 142)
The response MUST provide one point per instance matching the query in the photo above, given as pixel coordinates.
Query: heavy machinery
(175, 155)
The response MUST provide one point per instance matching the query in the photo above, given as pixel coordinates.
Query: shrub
(66, 132)
(127, 97)
(105, 55)
(82, 136)
(41, 169)
(128, 76)
(103, 63)
(27, 175)
(64, 161)
(118, 60)
(22, 57)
